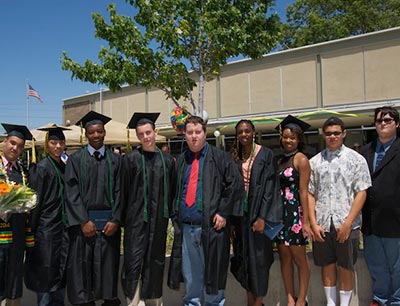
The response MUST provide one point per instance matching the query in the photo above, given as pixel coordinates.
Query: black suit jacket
(381, 211)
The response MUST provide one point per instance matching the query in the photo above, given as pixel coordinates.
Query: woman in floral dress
(294, 174)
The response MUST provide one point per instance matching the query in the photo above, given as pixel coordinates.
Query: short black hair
(387, 110)
(333, 121)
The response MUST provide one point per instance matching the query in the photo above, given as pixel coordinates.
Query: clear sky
(34, 34)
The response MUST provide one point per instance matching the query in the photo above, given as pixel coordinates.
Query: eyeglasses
(386, 120)
(335, 133)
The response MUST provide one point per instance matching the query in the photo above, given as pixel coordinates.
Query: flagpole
(27, 104)
(27, 117)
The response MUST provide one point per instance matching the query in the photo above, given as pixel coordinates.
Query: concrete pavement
(236, 296)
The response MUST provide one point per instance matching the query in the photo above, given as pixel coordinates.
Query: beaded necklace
(3, 171)
(250, 159)
(291, 153)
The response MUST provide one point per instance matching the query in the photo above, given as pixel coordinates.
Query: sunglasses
(335, 133)
(386, 120)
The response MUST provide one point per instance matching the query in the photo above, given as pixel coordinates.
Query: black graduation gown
(12, 255)
(253, 255)
(92, 268)
(222, 193)
(45, 262)
(381, 213)
(145, 242)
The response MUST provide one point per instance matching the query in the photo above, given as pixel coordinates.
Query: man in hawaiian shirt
(337, 191)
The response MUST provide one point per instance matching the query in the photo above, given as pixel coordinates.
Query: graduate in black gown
(92, 205)
(45, 263)
(147, 190)
(201, 218)
(15, 232)
(253, 255)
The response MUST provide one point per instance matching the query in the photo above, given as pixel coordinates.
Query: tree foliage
(165, 40)
(314, 21)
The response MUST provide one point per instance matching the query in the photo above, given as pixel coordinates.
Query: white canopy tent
(116, 135)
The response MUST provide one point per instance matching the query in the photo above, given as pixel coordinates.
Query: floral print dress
(291, 233)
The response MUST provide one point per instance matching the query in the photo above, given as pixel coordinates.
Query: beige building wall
(122, 104)
(299, 83)
(157, 102)
(350, 74)
(235, 97)
(266, 88)
(73, 112)
(342, 77)
(382, 72)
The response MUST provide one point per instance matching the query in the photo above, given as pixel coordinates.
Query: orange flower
(4, 188)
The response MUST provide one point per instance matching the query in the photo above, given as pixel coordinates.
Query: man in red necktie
(209, 191)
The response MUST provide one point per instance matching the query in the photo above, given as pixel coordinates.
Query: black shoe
(114, 302)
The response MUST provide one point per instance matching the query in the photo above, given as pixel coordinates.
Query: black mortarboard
(142, 118)
(20, 131)
(54, 131)
(92, 118)
(292, 122)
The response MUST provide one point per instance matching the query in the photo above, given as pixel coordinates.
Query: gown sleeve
(74, 207)
(271, 208)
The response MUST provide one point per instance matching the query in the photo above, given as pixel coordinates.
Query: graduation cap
(292, 122)
(54, 132)
(143, 118)
(92, 118)
(20, 131)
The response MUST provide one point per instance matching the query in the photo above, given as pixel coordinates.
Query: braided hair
(237, 150)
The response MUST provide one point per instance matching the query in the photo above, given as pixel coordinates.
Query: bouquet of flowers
(15, 198)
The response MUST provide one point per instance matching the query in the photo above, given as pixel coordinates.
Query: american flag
(34, 93)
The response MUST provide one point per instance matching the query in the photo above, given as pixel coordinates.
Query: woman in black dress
(294, 174)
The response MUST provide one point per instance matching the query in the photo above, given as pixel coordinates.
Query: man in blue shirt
(381, 214)
(208, 192)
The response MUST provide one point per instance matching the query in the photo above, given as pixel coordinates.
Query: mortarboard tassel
(128, 142)
(81, 137)
(46, 149)
(33, 151)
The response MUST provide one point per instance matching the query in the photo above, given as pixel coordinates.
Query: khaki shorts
(331, 251)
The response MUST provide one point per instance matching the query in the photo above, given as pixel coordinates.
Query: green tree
(165, 40)
(314, 21)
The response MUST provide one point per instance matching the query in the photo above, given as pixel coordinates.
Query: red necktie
(194, 177)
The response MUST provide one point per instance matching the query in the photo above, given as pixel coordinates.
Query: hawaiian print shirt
(336, 178)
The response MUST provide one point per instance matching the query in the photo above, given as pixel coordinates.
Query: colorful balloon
(178, 117)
